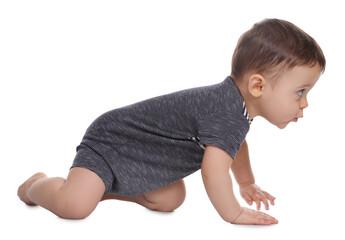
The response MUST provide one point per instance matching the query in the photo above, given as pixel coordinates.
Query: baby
(141, 152)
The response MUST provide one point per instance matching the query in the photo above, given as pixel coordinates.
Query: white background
(63, 63)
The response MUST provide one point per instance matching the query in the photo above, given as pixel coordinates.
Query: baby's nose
(304, 104)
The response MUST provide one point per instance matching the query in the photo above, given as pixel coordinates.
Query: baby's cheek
(281, 110)
(284, 112)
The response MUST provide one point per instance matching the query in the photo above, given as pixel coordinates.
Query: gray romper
(150, 144)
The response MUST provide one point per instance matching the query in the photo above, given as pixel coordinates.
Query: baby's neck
(249, 100)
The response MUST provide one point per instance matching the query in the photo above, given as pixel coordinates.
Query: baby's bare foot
(24, 187)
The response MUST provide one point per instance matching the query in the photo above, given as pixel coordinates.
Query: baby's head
(275, 64)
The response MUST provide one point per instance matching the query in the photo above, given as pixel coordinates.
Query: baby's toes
(22, 190)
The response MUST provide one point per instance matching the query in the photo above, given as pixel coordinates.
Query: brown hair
(274, 45)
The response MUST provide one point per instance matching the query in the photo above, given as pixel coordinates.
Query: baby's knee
(170, 204)
(71, 207)
(177, 199)
(170, 199)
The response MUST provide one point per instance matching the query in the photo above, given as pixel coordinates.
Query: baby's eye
(300, 92)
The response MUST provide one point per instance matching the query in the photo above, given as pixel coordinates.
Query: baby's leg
(75, 197)
(165, 199)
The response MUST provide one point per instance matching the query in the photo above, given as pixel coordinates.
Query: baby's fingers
(269, 197)
(249, 216)
(258, 198)
(267, 218)
(264, 200)
(248, 199)
(264, 197)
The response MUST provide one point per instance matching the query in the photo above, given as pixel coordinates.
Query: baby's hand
(252, 193)
(249, 216)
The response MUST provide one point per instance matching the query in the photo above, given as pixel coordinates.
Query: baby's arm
(243, 173)
(241, 168)
(217, 180)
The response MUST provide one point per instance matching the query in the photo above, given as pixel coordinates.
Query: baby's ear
(256, 85)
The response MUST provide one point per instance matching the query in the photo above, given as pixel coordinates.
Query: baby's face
(284, 103)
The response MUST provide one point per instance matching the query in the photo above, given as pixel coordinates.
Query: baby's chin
(283, 125)
(280, 125)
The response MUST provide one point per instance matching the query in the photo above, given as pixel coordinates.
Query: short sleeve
(224, 130)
